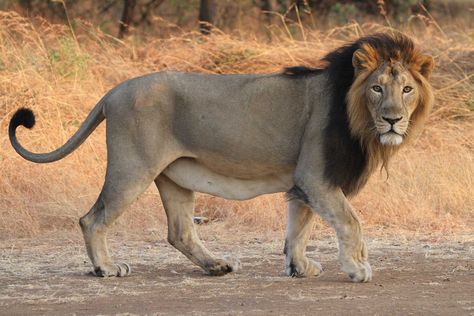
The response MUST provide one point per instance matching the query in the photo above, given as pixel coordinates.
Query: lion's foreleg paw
(303, 268)
(356, 265)
(358, 271)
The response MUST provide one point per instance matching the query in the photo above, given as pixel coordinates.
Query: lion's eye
(377, 88)
(407, 89)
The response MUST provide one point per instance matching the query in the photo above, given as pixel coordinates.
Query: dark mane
(346, 159)
(301, 71)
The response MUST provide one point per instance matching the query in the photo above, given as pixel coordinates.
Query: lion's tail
(26, 118)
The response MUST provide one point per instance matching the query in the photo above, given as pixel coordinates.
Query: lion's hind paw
(223, 266)
(118, 270)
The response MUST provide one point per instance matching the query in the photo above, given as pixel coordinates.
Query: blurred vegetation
(66, 60)
(60, 64)
(162, 17)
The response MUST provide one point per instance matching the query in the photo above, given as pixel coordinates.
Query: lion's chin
(391, 139)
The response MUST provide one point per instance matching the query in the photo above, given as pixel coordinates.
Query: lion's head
(390, 96)
(380, 99)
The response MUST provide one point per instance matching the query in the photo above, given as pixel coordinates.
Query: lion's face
(392, 96)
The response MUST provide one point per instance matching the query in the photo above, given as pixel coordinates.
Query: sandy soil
(411, 276)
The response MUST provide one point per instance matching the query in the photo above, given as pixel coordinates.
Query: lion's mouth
(391, 138)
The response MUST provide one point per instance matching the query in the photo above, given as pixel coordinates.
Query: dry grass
(43, 66)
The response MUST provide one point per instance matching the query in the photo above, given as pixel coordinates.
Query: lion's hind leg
(122, 186)
(179, 206)
(94, 227)
(300, 222)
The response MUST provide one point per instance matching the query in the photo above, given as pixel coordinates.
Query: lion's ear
(364, 58)
(358, 60)
(426, 65)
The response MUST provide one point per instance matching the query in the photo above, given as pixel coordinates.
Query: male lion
(315, 133)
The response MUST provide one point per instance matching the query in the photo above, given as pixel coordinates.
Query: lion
(315, 133)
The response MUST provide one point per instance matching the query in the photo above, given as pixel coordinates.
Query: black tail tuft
(23, 117)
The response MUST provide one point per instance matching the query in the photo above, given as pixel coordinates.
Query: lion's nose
(392, 121)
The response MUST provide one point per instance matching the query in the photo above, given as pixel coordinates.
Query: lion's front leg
(333, 206)
(353, 254)
(300, 222)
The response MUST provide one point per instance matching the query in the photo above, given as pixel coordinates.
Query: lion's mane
(351, 148)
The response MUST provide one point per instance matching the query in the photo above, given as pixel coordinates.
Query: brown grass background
(61, 74)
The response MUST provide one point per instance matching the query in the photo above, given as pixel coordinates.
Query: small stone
(311, 248)
(199, 220)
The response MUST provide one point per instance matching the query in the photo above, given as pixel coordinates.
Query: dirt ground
(412, 275)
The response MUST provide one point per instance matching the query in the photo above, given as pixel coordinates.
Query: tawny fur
(315, 133)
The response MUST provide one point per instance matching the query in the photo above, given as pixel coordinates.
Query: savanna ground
(412, 275)
(418, 222)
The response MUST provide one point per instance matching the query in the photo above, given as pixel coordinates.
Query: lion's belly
(192, 175)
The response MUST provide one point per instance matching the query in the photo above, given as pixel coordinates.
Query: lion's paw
(223, 266)
(303, 268)
(358, 271)
(112, 270)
